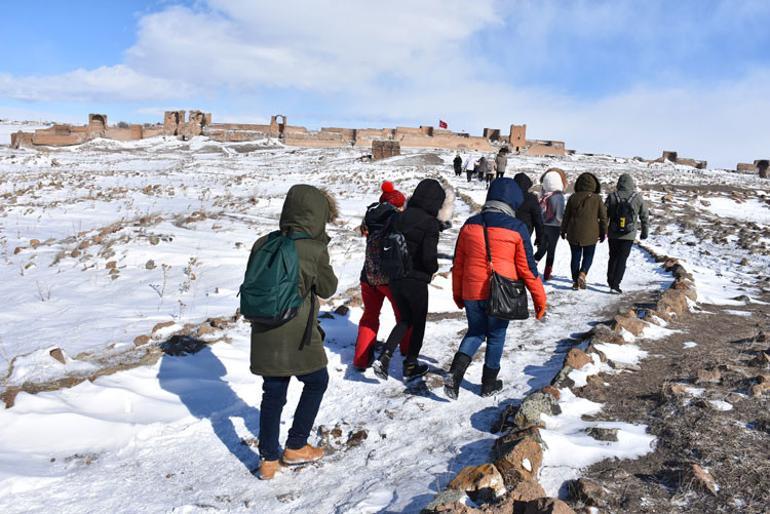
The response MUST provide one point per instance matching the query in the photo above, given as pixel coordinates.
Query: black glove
(644, 234)
(564, 235)
(602, 237)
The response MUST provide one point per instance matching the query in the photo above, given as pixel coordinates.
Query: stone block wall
(385, 149)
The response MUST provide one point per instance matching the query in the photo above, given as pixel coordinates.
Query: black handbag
(507, 298)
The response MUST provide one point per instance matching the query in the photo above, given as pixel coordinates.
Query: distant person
(295, 348)
(511, 254)
(624, 207)
(483, 169)
(552, 204)
(470, 166)
(458, 165)
(501, 162)
(584, 223)
(374, 282)
(529, 211)
(420, 226)
(490, 174)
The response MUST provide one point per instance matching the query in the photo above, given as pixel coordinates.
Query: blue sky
(626, 77)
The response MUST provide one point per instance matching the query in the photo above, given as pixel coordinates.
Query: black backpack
(623, 217)
(395, 262)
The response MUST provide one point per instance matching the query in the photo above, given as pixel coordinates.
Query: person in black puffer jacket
(420, 226)
(530, 212)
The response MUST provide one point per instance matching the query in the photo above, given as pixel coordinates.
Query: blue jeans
(480, 328)
(587, 254)
(274, 398)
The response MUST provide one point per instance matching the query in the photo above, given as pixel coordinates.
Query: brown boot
(305, 454)
(582, 280)
(268, 469)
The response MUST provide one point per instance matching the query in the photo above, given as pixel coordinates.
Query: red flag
(442, 124)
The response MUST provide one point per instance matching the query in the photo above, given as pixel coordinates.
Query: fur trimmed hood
(446, 213)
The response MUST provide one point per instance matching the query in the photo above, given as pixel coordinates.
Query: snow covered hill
(107, 242)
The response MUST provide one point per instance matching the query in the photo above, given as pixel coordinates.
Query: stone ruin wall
(187, 124)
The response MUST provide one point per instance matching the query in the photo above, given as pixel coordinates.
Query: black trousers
(620, 249)
(469, 173)
(550, 240)
(412, 300)
(500, 174)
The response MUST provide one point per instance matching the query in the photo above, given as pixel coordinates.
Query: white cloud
(107, 83)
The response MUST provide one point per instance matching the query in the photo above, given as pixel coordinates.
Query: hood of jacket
(308, 209)
(428, 196)
(553, 181)
(588, 183)
(524, 182)
(626, 184)
(506, 190)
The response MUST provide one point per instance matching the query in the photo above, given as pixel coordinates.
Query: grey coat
(625, 190)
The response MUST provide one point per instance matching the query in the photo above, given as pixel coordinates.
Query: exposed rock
(182, 345)
(762, 360)
(588, 492)
(673, 301)
(482, 483)
(593, 350)
(532, 407)
(705, 376)
(562, 379)
(677, 389)
(162, 325)
(205, 329)
(629, 322)
(527, 490)
(34, 243)
(356, 437)
(577, 358)
(603, 434)
(57, 354)
(703, 478)
(551, 390)
(542, 506)
(141, 340)
(518, 458)
(450, 500)
(604, 334)
(150, 264)
(111, 265)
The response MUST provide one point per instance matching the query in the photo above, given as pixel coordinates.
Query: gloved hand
(564, 235)
(540, 312)
(602, 237)
(644, 234)
(460, 303)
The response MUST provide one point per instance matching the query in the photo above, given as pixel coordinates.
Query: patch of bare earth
(707, 404)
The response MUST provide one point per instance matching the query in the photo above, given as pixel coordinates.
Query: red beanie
(390, 195)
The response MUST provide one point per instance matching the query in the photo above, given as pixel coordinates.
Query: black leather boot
(453, 380)
(414, 369)
(489, 382)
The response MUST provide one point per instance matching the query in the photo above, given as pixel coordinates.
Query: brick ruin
(187, 124)
(385, 149)
(671, 156)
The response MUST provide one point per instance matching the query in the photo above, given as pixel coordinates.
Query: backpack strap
(486, 242)
(309, 326)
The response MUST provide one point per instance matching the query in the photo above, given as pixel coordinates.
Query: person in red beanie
(374, 283)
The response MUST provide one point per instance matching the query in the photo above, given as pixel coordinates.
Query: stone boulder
(630, 322)
(542, 506)
(517, 458)
(532, 407)
(577, 359)
(482, 483)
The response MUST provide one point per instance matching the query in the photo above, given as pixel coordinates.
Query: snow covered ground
(174, 436)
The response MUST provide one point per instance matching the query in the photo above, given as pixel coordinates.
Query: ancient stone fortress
(198, 123)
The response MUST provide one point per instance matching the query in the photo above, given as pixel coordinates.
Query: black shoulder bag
(507, 298)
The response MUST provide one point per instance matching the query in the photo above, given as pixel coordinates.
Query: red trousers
(373, 297)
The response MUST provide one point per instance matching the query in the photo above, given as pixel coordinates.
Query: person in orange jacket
(512, 257)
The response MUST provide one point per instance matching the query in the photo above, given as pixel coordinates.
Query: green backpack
(270, 290)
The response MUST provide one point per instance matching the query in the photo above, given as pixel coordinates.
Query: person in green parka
(279, 353)
(584, 223)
